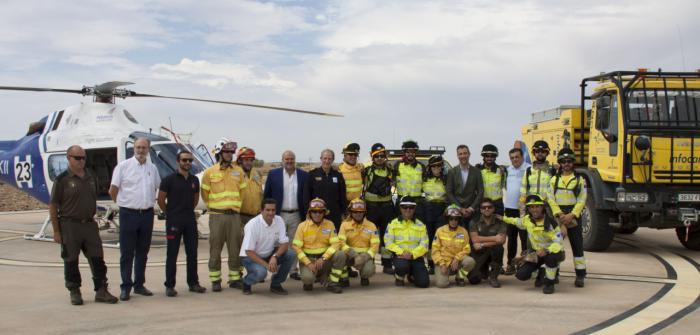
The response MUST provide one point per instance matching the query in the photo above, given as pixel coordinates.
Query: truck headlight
(632, 197)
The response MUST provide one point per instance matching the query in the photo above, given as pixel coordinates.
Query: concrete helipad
(646, 283)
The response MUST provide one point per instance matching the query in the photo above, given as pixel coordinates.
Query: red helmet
(245, 152)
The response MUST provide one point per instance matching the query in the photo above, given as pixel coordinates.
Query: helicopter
(107, 132)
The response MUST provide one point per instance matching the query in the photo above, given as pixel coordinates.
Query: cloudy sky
(441, 72)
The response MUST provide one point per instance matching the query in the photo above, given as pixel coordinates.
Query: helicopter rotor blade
(109, 87)
(41, 89)
(134, 94)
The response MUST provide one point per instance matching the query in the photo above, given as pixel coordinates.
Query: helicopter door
(204, 154)
(101, 162)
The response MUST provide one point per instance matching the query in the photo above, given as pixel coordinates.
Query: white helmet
(220, 144)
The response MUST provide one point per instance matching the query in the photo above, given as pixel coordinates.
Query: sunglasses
(486, 207)
(380, 156)
(408, 207)
(489, 156)
(538, 151)
(187, 160)
(567, 161)
(78, 158)
(411, 151)
(452, 219)
(318, 212)
(352, 154)
(228, 151)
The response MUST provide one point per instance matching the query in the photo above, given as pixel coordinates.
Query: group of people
(328, 225)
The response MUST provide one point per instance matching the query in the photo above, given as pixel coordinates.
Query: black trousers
(513, 234)
(434, 218)
(415, 267)
(488, 263)
(550, 260)
(381, 214)
(174, 234)
(85, 237)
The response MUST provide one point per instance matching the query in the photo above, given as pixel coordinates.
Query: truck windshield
(663, 108)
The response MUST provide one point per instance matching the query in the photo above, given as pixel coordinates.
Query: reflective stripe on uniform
(580, 263)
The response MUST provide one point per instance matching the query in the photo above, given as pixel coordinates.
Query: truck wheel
(597, 232)
(693, 242)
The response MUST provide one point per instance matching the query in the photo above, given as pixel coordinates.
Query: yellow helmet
(357, 205)
(317, 204)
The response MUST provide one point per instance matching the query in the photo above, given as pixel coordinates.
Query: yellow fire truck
(636, 135)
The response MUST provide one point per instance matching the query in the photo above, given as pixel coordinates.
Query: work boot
(388, 270)
(125, 294)
(579, 281)
(510, 270)
(540, 278)
(460, 282)
(295, 276)
(216, 286)
(246, 289)
(102, 295)
(548, 286)
(352, 273)
(238, 284)
(196, 288)
(345, 282)
(308, 287)
(170, 292)
(335, 288)
(143, 291)
(493, 277)
(75, 297)
(278, 289)
(364, 281)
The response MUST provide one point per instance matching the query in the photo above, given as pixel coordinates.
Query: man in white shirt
(135, 183)
(266, 248)
(515, 174)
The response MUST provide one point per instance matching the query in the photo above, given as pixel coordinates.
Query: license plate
(689, 197)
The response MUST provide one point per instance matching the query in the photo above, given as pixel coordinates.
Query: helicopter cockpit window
(57, 164)
(164, 157)
(130, 117)
(128, 150)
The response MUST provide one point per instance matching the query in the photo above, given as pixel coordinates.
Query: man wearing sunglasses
(72, 209)
(221, 187)
(134, 188)
(409, 177)
(352, 172)
(569, 195)
(377, 181)
(537, 177)
(407, 238)
(488, 236)
(493, 175)
(318, 248)
(178, 197)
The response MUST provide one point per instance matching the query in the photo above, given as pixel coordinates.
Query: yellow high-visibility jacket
(569, 190)
(221, 187)
(361, 237)
(406, 235)
(353, 180)
(315, 239)
(252, 194)
(449, 245)
(540, 239)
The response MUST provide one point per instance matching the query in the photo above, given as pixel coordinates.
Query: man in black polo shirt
(179, 195)
(72, 209)
(488, 236)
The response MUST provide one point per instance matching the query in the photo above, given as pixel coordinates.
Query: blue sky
(442, 72)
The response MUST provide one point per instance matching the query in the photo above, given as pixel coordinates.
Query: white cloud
(218, 74)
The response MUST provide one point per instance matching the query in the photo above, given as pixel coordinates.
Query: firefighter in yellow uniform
(536, 179)
(409, 177)
(251, 194)
(494, 177)
(317, 247)
(451, 249)
(569, 195)
(544, 237)
(435, 200)
(359, 240)
(221, 187)
(407, 238)
(352, 171)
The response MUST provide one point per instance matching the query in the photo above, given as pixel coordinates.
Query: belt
(289, 210)
(76, 220)
(137, 211)
(223, 211)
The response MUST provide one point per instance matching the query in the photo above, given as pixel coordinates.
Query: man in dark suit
(465, 186)
(286, 186)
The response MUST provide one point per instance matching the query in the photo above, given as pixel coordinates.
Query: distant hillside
(12, 199)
